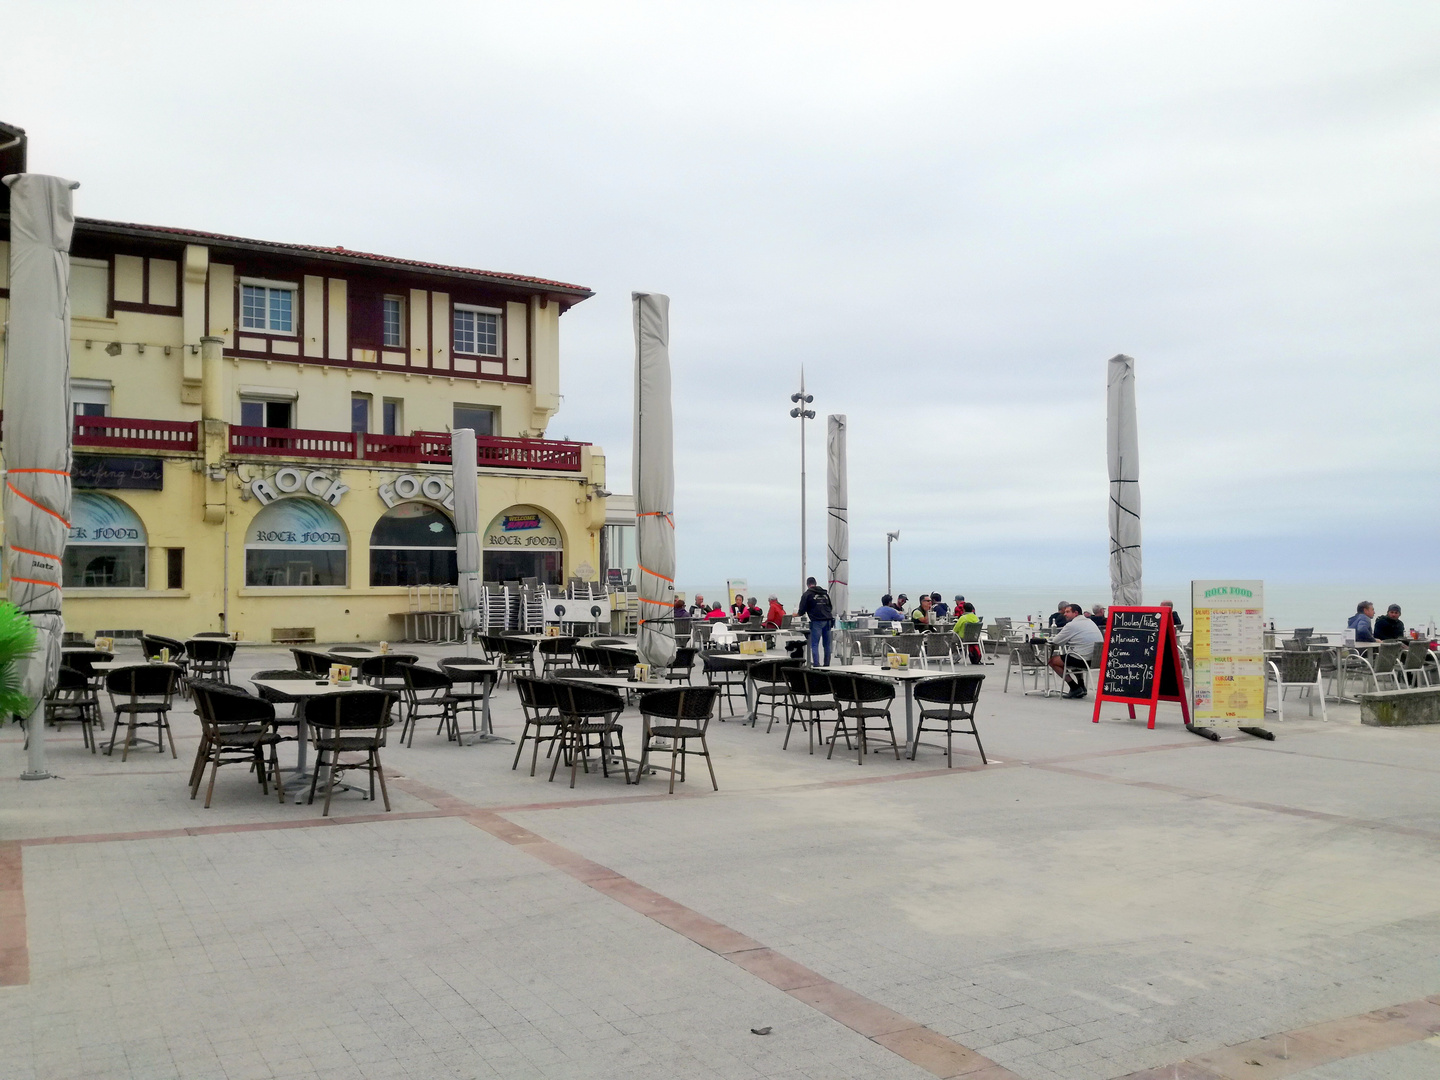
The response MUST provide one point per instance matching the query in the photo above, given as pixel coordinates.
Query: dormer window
(267, 306)
(477, 330)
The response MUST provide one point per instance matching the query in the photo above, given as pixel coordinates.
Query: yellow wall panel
(440, 330)
(222, 303)
(162, 283)
(314, 315)
(129, 279)
(419, 328)
(338, 336)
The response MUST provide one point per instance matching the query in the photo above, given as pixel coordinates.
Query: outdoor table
(480, 671)
(752, 699)
(906, 677)
(305, 689)
(629, 686)
(107, 666)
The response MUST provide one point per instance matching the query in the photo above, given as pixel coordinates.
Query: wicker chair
(768, 678)
(471, 700)
(538, 701)
(589, 720)
(866, 701)
(150, 648)
(688, 709)
(148, 690)
(428, 697)
(956, 697)
(555, 652)
(210, 659)
(811, 700)
(679, 669)
(236, 727)
(74, 701)
(1298, 669)
(353, 723)
(727, 675)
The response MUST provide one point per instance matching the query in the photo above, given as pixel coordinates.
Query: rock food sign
(522, 528)
(291, 481)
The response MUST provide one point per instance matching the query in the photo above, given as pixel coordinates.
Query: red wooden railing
(291, 442)
(123, 431)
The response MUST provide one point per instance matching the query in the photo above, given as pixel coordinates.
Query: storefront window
(523, 543)
(413, 544)
(106, 548)
(297, 543)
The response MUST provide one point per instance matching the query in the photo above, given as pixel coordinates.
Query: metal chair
(1415, 666)
(972, 643)
(351, 723)
(149, 690)
(589, 716)
(811, 700)
(864, 700)
(538, 702)
(1026, 657)
(727, 675)
(957, 695)
(688, 709)
(1298, 669)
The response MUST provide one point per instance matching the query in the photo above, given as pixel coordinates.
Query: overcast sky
(951, 215)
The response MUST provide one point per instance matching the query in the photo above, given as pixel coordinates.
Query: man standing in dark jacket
(815, 605)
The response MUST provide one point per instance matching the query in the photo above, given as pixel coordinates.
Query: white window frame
(292, 287)
(92, 392)
(385, 342)
(499, 352)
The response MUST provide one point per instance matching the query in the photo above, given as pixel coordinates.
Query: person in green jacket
(969, 618)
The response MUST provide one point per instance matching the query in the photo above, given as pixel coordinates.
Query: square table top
(876, 671)
(309, 687)
(117, 665)
(616, 683)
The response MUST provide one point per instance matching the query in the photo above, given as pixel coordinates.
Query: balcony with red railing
(128, 433)
(420, 448)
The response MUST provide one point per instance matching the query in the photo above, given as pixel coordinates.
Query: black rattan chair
(428, 697)
(811, 703)
(955, 697)
(555, 652)
(727, 675)
(151, 646)
(210, 659)
(679, 669)
(471, 700)
(768, 678)
(538, 701)
(589, 716)
(866, 701)
(147, 690)
(687, 710)
(236, 727)
(350, 723)
(74, 701)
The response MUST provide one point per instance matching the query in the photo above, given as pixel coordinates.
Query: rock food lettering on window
(1133, 646)
(106, 534)
(286, 536)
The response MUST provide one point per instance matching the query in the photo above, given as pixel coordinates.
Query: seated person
(967, 617)
(923, 617)
(887, 611)
(739, 608)
(699, 610)
(1360, 621)
(1079, 633)
(900, 602)
(941, 608)
(1097, 615)
(776, 613)
(753, 614)
(1388, 627)
(1174, 615)
(715, 614)
(1057, 617)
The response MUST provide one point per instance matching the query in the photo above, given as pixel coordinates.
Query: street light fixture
(890, 538)
(801, 413)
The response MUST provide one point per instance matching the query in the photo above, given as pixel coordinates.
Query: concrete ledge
(1401, 708)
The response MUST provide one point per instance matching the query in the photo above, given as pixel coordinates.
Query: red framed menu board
(1140, 663)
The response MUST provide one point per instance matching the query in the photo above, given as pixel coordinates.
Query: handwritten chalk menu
(1133, 642)
(1229, 640)
(1140, 664)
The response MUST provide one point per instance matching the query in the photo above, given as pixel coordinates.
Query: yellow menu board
(1228, 640)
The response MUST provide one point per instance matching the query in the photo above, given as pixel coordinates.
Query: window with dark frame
(360, 413)
(390, 416)
(394, 321)
(259, 412)
(480, 419)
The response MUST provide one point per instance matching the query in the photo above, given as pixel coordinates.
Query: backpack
(819, 609)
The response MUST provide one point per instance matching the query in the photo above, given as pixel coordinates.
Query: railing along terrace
(130, 433)
(292, 442)
(419, 448)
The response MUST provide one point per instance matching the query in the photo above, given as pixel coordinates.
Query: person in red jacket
(775, 614)
(716, 615)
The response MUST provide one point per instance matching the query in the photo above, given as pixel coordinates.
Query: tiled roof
(578, 292)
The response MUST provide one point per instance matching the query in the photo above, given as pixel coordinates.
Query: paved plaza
(1099, 901)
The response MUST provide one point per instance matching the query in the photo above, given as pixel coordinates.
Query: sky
(950, 215)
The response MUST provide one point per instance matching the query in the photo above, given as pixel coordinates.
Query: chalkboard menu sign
(1132, 645)
(1141, 663)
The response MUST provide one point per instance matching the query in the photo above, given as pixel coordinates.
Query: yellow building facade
(262, 434)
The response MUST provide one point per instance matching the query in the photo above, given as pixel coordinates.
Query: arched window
(106, 548)
(522, 543)
(413, 544)
(296, 542)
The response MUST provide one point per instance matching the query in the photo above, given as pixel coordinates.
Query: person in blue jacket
(1360, 621)
(887, 610)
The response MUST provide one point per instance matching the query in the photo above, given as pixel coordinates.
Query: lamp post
(802, 413)
(890, 538)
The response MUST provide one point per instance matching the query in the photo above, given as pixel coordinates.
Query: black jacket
(816, 604)
(1388, 628)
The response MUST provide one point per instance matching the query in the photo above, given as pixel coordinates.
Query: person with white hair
(775, 615)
